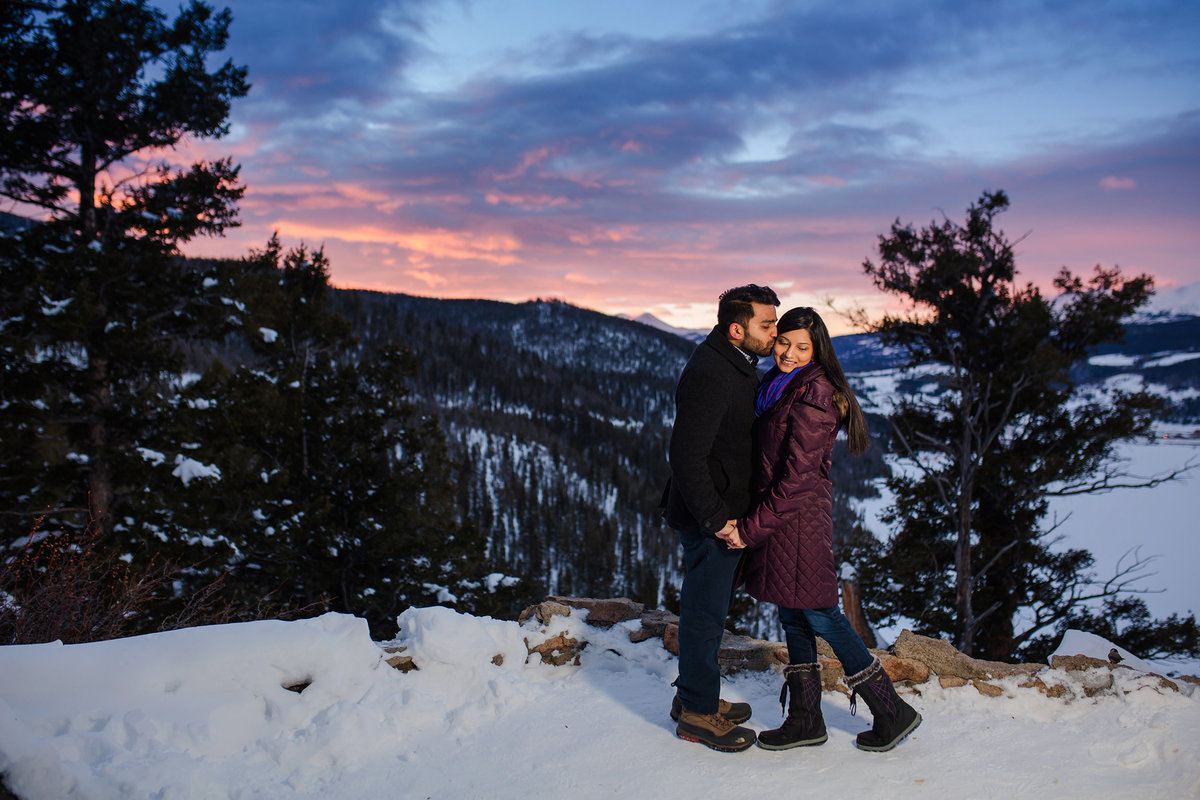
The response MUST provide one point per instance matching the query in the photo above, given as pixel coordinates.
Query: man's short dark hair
(735, 304)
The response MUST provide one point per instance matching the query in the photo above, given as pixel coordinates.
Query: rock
(1093, 674)
(671, 638)
(1166, 683)
(640, 635)
(903, 669)
(654, 623)
(558, 650)
(604, 612)
(1077, 663)
(1096, 682)
(737, 652)
(1055, 690)
(544, 611)
(951, 682)
(940, 656)
(397, 659)
(999, 669)
(401, 662)
(942, 659)
(831, 675)
(743, 653)
(1094, 685)
(988, 689)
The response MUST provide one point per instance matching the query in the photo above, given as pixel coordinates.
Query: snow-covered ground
(203, 713)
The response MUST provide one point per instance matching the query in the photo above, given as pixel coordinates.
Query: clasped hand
(730, 535)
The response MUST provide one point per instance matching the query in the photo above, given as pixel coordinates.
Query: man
(711, 457)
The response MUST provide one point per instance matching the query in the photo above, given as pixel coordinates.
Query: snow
(1159, 520)
(1172, 360)
(189, 469)
(1179, 301)
(152, 456)
(204, 713)
(1112, 360)
(51, 308)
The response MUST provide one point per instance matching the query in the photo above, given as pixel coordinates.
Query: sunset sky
(643, 156)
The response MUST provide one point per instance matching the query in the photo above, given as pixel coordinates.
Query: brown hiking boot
(713, 730)
(737, 713)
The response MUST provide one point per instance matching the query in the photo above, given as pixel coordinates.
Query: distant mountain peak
(1170, 304)
(647, 318)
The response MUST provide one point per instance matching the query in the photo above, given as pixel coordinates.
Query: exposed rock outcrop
(912, 661)
(604, 613)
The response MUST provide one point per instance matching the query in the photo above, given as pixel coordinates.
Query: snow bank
(190, 708)
(1080, 643)
(204, 713)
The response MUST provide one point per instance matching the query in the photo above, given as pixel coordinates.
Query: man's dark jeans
(703, 608)
(802, 625)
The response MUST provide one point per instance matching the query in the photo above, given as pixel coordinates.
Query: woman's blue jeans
(801, 626)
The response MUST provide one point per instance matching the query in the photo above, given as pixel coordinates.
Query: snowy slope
(202, 713)
(1165, 304)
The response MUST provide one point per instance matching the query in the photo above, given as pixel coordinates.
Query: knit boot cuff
(859, 678)
(802, 669)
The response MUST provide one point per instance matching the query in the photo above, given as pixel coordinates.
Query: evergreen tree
(1002, 432)
(335, 493)
(97, 308)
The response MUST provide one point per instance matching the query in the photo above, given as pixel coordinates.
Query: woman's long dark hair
(857, 436)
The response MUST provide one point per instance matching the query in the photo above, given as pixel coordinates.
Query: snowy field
(1162, 521)
(203, 713)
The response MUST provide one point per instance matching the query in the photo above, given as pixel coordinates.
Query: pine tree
(335, 493)
(97, 306)
(1002, 432)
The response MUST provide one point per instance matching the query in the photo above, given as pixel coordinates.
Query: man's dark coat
(711, 451)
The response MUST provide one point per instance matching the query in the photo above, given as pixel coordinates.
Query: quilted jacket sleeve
(811, 424)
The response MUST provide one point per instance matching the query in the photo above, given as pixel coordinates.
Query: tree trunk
(100, 484)
(964, 617)
(964, 614)
(852, 607)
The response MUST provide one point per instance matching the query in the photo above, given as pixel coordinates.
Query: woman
(802, 402)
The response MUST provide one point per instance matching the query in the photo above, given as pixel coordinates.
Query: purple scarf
(772, 386)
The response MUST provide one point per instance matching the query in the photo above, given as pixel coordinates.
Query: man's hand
(730, 534)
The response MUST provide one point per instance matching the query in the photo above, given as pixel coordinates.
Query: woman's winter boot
(894, 718)
(804, 724)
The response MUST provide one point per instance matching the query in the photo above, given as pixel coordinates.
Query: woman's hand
(730, 534)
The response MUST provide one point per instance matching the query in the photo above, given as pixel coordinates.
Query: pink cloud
(1113, 182)
(526, 200)
(423, 246)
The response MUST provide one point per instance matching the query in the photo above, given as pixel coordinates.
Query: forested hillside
(559, 418)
